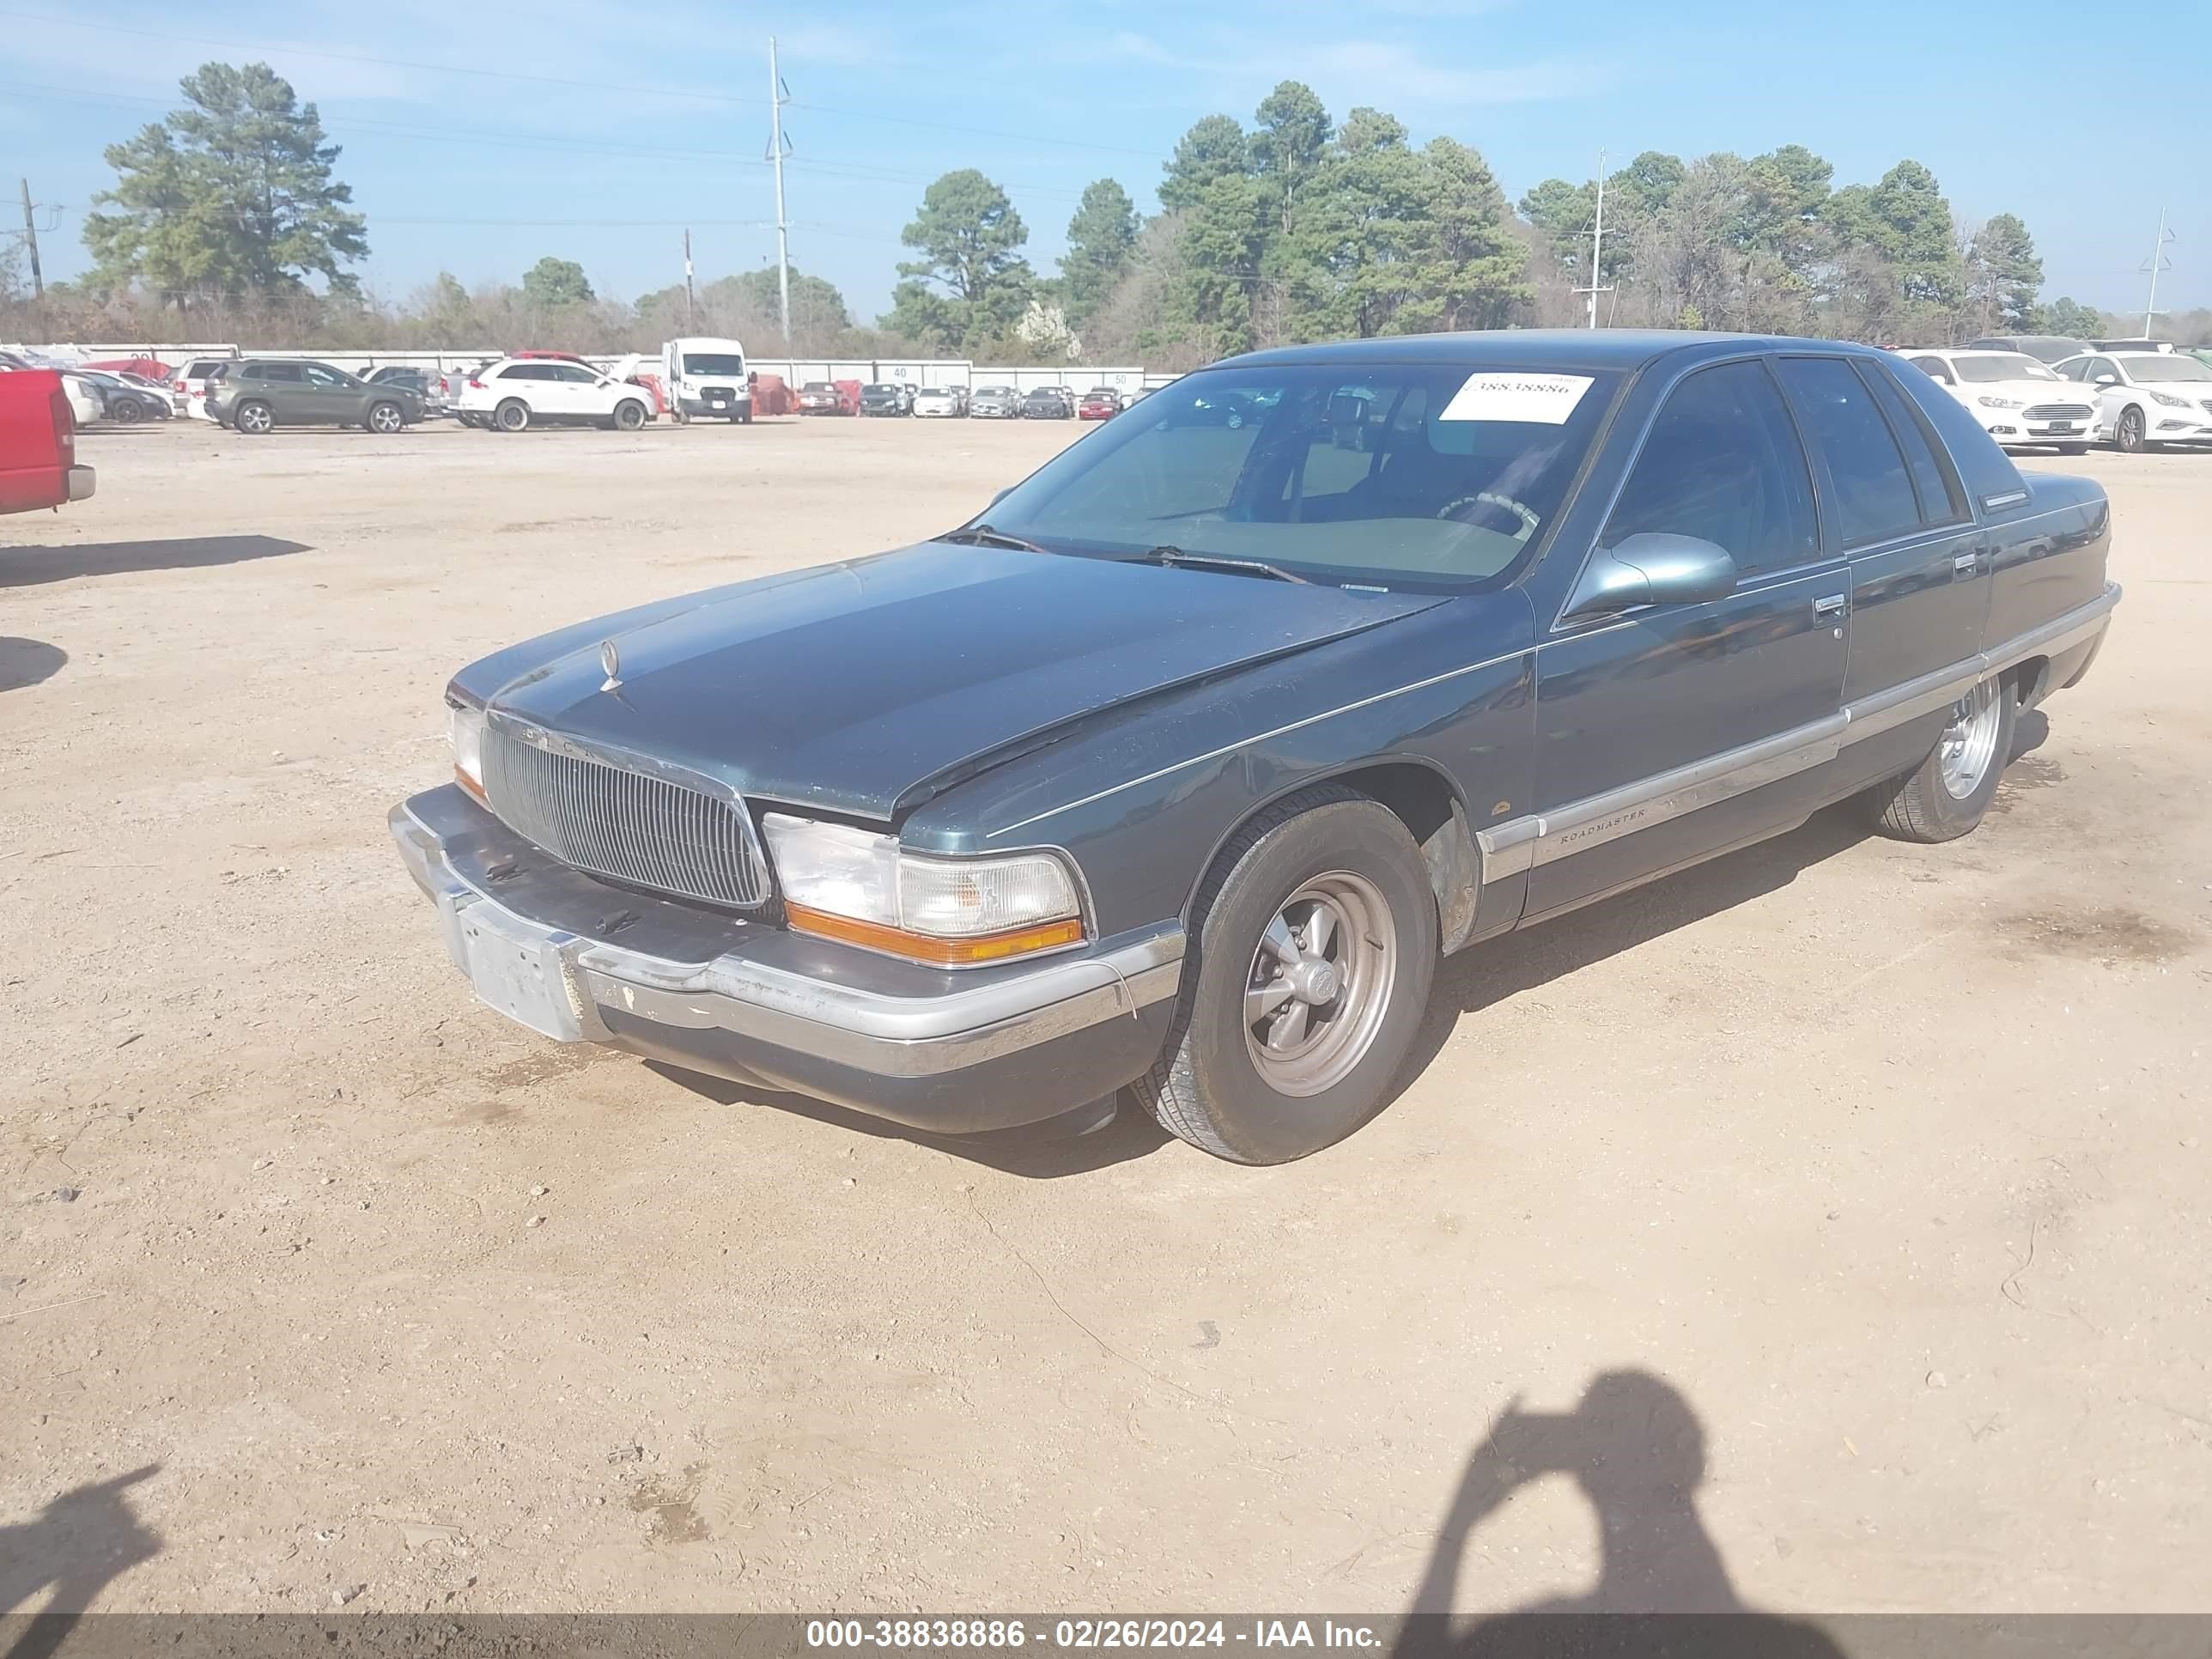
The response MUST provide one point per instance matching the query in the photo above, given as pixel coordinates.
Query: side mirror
(1002, 494)
(2108, 379)
(1652, 569)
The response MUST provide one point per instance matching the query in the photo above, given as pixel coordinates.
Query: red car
(1101, 403)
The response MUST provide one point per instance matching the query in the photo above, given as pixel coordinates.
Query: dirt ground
(1841, 1202)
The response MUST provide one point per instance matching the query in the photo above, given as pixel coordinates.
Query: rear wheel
(386, 418)
(513, 416)
(629, 415)
(254, 418)
(1314, 947)
(1947, 795)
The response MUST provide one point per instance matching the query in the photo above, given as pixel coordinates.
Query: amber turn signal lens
(474, 790)
(936, 952)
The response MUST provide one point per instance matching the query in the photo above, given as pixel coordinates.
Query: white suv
(517, 392)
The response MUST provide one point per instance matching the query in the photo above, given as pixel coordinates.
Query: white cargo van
(707, 380)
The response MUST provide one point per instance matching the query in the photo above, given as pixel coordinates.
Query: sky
(479, 135)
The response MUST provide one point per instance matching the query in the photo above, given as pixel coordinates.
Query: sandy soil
(1842, 1201)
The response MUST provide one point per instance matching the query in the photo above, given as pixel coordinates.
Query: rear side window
(1941, 500)
(1987, 470)
(289, 374)
(526, 372)
(1873, 492)
(1722, 463)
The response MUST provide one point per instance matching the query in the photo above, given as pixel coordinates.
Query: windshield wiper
(1166, 554)
(981, 535)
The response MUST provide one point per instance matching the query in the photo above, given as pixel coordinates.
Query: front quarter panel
(1144, 798)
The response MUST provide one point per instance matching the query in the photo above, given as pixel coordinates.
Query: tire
(1946, 796)
(2073, 449)
(2127, 431)
(255, 419)
(745, 419)
(126, 413)
(1215, 1083)
(513, 416)
(629, 415)
(384, 419)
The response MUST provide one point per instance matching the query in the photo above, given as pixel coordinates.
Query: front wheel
(386, 418)
(1314, 947)
(2128, 434)
(2073, 449)
(629, 415)
(127, 414)
(1947, 795)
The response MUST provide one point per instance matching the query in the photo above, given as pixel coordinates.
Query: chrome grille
(630, 825)
(2056, 412)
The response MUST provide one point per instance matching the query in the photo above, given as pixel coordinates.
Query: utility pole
(690, 298)
(1597, 247)
(2157, 262)
(31, 241)
(777, 149)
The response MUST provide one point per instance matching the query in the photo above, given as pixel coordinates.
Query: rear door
(1670, 732)
(1893, 503)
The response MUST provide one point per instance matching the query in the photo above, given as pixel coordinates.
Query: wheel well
(2026, 679)
(1423, 800)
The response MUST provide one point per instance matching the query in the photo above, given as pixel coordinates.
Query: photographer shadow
(1637, 1451)
(77, 1546)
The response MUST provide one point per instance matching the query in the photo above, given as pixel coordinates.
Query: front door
(329, 397)
(1672, 731)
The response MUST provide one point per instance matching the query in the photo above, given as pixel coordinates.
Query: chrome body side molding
(1538, 838)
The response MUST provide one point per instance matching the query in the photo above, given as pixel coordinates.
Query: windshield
(1421, 474)
(815, 385)
(993, 392)
(2001, 366)
(712, 363)
(882, 392)
(2165, 366)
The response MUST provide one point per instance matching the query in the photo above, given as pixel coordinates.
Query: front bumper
(739, 406)
(82, 481)
(953, 1052)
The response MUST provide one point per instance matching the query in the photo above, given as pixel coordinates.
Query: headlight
(864, 888)
(2171, 401)
(1998, 402)
(466, 732)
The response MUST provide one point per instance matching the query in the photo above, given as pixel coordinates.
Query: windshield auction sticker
(1539, 399)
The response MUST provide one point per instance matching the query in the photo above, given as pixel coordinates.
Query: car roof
(1538, 347)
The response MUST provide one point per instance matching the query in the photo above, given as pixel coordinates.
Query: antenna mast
(777, 149)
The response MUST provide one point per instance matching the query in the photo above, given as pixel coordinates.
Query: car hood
(865, 688)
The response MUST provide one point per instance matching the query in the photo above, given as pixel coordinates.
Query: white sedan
(2146, 399)
(517, 392)
(940, 403)
(2018, 399)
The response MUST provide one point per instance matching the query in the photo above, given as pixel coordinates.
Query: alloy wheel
(1320, 984)
(1970, 742)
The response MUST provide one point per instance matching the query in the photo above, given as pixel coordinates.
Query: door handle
(1966, 564)
(1833, 605)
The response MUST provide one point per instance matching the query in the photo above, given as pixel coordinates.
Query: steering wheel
(1520, 510)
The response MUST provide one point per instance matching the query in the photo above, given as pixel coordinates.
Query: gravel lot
(1876, 1174)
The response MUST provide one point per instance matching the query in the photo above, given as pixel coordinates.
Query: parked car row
(983, 403)
(2137, 395)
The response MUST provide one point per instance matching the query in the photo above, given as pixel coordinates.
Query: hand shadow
(1637, 1450)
